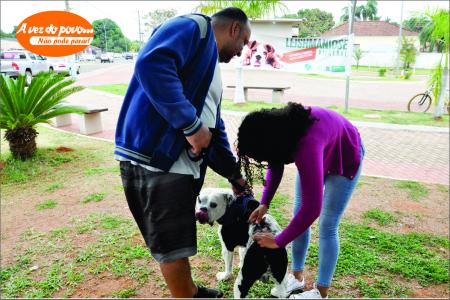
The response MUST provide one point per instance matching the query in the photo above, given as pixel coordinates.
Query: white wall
(388, 59)
(271, 33)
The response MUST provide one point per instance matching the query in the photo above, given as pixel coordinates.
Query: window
(32, 56)
(12, 55)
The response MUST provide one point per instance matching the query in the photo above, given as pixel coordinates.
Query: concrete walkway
(419, 153)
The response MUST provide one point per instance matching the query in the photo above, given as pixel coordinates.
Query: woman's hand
(258, 214)
(265, 240)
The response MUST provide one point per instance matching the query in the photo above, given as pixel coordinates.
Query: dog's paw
(221, 276)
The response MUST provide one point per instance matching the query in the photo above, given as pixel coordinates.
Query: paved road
(310, 91)
(401, 152)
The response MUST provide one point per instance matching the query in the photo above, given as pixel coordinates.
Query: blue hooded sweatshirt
(165, 98)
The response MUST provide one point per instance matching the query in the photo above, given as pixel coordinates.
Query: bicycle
(421, 102)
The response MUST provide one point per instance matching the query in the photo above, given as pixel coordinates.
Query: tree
(157, 17)
(253, 8)
(346, 13)
(362, 12)
(8, 35)
(440, 34)
(134, 46)
(369, 11)
(108, 36)
(22, 108)
(388, 20)
(357, 55)
(315, 22)
(415, 23)
(408, 53)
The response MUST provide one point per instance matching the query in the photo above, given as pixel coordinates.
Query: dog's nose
(203, 209)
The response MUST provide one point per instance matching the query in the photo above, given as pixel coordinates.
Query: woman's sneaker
(311, 294)
(293, 285)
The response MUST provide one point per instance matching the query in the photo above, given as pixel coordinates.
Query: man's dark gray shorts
(163, 205)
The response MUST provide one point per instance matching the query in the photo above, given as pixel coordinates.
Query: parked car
(128, 55)
(106, 57)
(64, 64)
(15, 62)
(87, 57)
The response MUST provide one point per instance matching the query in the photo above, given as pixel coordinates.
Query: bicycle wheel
(419, 103)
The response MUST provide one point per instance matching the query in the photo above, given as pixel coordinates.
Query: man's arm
(220, 158)
(158, 67)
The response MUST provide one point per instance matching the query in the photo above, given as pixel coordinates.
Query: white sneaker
(311, 294)
(293, 285)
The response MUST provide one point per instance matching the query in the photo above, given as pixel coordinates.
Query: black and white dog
(232, 214)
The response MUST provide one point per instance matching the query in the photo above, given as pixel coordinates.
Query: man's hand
(265, 240)
(200, 140)
(258, 214)
(242, 184)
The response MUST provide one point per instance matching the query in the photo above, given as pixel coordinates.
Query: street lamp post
(106, 40)
(349, 53)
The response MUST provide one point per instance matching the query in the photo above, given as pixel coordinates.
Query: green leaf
(43, 99)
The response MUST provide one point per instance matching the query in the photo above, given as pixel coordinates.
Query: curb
(388, 126)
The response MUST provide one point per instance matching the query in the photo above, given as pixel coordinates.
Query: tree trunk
(439, 110)
(22, 142)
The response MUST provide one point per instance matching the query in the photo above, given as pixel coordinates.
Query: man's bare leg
(178, 278)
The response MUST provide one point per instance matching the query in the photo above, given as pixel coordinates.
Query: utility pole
(106, 40)
(349, 53)
(67, 5)
(399, 42)
(140, 34)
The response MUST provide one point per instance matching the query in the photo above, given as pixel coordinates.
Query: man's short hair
(230, 14)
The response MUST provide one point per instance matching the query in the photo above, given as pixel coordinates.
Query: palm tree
(440, 34)
(362, 12)
(22, 108)
(253, 8)
(370, 10)
(346, 13)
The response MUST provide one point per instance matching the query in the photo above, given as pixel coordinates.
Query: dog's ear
(252, 205)
(229, 197)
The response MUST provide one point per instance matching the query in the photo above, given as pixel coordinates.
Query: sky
(125, 13)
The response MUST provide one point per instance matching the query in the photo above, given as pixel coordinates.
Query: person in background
(169, 130)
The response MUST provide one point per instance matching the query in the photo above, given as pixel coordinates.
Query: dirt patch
(102, 285)
(19, 215)
(429, 214)
(64, 149)
(435, 291)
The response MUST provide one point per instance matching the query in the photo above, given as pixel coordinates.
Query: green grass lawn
(357, 114)
(97, 243)
(418, 71)
(359, 78)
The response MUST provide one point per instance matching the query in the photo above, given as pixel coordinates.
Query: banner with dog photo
(305, 55)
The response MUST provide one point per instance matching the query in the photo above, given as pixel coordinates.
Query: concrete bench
(90, 121)
(277, 91)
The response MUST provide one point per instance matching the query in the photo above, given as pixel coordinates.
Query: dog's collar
(236, 210)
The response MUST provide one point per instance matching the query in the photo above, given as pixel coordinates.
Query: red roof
(369, 28)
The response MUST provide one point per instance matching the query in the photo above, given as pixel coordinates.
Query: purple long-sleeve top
(330, 146)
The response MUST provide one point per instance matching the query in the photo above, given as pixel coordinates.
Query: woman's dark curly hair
(271, 136)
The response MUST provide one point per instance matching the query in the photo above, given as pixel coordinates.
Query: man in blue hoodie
(169, 130)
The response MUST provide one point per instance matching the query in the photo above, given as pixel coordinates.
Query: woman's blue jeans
(337, 193)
